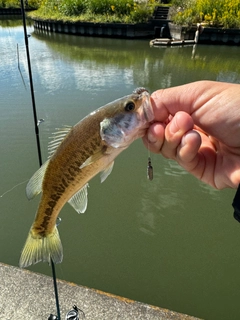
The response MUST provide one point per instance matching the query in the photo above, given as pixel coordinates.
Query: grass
(216, 13)
(12, 4)
(114, 11)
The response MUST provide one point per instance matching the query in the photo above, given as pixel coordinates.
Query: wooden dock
(171, 42)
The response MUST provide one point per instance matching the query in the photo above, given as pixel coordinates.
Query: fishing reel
(74, 314)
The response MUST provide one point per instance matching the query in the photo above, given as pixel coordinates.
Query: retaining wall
(116, 30)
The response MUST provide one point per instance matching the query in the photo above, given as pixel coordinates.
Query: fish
(76, 155)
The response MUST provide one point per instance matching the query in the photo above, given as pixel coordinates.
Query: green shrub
(117, 7)
(213, 12)
(72, 7)
(142, 11)
(126, 11)
(34, 4)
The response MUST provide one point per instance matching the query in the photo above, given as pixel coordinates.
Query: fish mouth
(146, 114)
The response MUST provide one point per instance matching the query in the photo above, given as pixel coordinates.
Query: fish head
(127, 119)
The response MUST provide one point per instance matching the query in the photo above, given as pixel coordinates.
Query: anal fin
(79, 200)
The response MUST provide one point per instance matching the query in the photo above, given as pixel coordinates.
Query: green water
(171, 242)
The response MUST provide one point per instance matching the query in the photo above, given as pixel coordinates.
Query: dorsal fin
(57, 138)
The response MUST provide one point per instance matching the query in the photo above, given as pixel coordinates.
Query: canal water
(170, 242)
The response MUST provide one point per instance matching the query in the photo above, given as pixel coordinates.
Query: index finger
(193, 98)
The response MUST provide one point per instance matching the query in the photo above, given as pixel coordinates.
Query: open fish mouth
(145, 111)
(140, 90)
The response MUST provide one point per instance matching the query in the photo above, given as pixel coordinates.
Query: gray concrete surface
(25, 295)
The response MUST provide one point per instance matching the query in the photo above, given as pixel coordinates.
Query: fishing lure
(149, 169)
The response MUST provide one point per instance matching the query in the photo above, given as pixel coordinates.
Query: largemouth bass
(77, 154)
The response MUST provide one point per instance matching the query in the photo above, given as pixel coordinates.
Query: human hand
(198, 125)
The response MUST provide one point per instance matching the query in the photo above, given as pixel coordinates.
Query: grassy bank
(216, 13)
(125, 11)
(12, 4)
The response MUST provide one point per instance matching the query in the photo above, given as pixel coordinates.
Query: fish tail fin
(41, 248)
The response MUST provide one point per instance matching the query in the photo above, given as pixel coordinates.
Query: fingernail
(183, 141)
(151, 138)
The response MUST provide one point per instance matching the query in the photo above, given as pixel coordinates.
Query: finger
(169, 101)
(197, 155)
(188, 155)
(154, 138)
(198, 99)
(174, 132)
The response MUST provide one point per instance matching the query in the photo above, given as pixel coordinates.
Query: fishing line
(17, 185)
(19, 68)
(36, 123)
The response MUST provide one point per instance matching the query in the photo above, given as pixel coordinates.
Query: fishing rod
(36, 125)
(75, 313)
(26, 36)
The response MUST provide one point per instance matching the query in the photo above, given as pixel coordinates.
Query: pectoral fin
(79, 200)
(106, 172)
(95, 157)
(34, 186)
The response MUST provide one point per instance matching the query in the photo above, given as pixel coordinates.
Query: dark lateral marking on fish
(73, 170)
(48, 211)
(55, 197)
(69, 177)
(84, 156)
(40, 231)
(44, 225)
(47, 218)
(64, 182)
(59, 189)
(78, 163)
(52, 204)
(87, 150)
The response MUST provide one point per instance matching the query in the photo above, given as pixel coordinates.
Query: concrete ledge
(25, 295)
(208, 35)
(220, 36)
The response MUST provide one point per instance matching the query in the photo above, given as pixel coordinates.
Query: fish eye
(130, 106)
